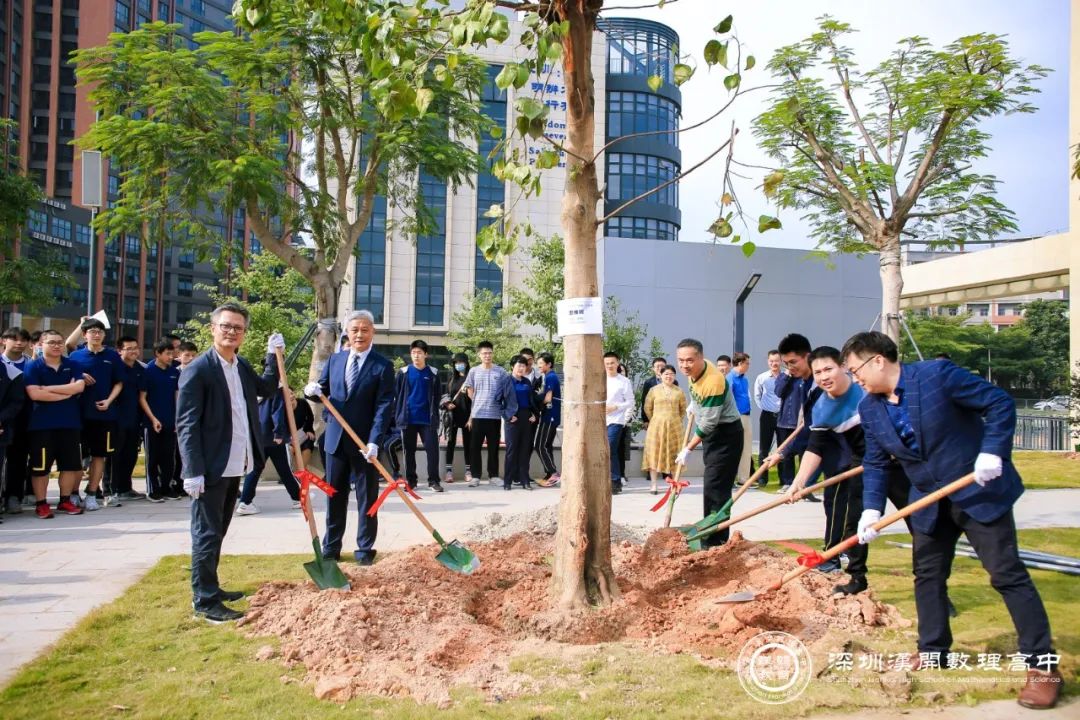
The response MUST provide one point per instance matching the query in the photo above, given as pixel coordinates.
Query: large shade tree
(300, 122)
(875, 155)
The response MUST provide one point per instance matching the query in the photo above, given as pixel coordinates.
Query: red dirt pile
(409, 627)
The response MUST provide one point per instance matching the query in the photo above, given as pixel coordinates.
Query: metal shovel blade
(325, 573)
(740, 597)
(458, 558)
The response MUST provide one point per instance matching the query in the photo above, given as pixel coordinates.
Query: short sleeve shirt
(61, 414)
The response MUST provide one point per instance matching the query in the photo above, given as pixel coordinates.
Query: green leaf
(683, 73)
(732, 81)
(750, 62)
(792, 105)
(424, 96)
(724, 26)
(536, 127)
(495, 211)
(547, 159)
(721, 228)
(530, 107)
(716, 53)
(655, 81)
(767, 222)
(748, 248)
(507, 76)
(522, 76)
(772, 183)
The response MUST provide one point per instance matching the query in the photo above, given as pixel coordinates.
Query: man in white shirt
(620, 401)
(216, 422)
(768, 403)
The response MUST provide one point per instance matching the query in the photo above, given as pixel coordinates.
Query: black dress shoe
(365, 560)
(218, 613)
(811, 498)
(331, 556)
(436, 487)
(230, 595)
(855, 585)
(616, 489)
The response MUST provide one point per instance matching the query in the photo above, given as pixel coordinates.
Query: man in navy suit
(360, 384)
(940, 422)
(217, 429)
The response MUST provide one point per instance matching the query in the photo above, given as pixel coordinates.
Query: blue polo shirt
(740, 388)
(128, 414)
(553, 414)
(160, 387)
(107, 369)
(419, 398)
(59, 415)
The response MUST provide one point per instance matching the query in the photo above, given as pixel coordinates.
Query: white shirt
(357, 358)
(241, 456)
(620, 393)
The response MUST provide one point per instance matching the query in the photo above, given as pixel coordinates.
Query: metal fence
(1041, 432)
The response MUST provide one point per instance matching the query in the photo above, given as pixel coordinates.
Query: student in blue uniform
(12, 399)
(274, 435)
(551, 401)
(17, 486)
(128, 425)
(417, 393)
(101, 368)
(54, 384)
(157, 397)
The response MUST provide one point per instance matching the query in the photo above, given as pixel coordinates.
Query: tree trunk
(328, 331)
(892, 283)
(582, 571)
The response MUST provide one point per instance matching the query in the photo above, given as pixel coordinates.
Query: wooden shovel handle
(783, 499)
(763, 468)
(678, 472)
(360, 444)
(884, 522)
(298, 458)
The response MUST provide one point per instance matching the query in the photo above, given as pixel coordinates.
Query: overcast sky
(1029, 152)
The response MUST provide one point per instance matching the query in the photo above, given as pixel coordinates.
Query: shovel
(809, 560)
(698, 529)
(324, 572)
(782, 500)
(675, 486)
(453, 555)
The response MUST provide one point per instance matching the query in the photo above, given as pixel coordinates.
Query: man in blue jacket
(940, 422)
(360, 384)
(274, 434)
(416, 403)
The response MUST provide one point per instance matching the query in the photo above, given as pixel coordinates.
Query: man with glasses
(217, 423)
(940, 422)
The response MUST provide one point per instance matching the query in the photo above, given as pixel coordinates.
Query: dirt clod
(409, 629)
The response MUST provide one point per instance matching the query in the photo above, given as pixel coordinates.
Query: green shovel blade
(325, 573)
(458, 558)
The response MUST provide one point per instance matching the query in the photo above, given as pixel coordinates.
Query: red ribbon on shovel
(391, 485)
(675, 485)
(808, 556)
(307, 479)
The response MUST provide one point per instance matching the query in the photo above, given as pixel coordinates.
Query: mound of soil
(411, 628)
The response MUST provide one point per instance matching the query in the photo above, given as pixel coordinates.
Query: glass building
(636, 51)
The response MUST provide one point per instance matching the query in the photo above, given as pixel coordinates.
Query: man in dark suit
(360, 384)
(217, 428)
(940, 422)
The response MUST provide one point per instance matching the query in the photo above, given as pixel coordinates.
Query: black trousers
(390, 455)
(340, 469)
(160, 456)
(624, 450)
(17, 467)
(485, 429)
(519, 442)
(995, 544)
(430, 435)
(451, 444)
(766, 434)
(545, 447)
(211, 514)
(121, 464)
(278, 454)
(786, 468)
(723, 450)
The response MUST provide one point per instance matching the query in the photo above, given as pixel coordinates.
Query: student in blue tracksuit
(274, 433)
(416, 401)
(940, 422)
(157, 397)
(128, 425)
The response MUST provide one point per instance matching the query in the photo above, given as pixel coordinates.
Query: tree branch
(845, 83)
(918, 180)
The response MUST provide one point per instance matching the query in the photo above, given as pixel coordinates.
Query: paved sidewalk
(54, 572)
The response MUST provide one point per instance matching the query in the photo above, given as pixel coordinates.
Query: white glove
(313, 389)
(274, 342)
(866, 520)
(371, 452)
(195, 486)
(689, 412)
(987, 467)
(681, 458)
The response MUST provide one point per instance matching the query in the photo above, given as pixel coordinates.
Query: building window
(184, 286)
(132, 246)
(637, 112)
(371, 265)
(979, 310)
(183, 312)
(151, 279)
(81, 265)
(131, 308)
(131, 275)
(186, 259)
(489, 189)
(82, 234)
(123, 16)
(1008, 309)
(431, 255)
(630, 175)
(149, 308)
(642, 228)
(640, 48)
(39, 222)
(61, 228)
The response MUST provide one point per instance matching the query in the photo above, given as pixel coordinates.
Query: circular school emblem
(774, 667)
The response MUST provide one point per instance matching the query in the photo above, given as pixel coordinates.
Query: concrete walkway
(53, 572)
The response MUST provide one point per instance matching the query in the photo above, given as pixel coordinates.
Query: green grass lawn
(144, 656)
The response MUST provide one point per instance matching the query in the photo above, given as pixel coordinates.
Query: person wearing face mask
(457, 405)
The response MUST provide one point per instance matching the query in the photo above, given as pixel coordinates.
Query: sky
(1029, 153)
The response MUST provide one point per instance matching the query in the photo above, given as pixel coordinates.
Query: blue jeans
(614, 435)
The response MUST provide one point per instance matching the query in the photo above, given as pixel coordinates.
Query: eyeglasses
(227, 328)
(855, 371)
(53, 342)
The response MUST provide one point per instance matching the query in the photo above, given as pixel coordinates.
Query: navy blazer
(368, 408)
(956, 415)
(273, 425)
(204, 414)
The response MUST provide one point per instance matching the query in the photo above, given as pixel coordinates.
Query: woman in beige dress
(665, 406)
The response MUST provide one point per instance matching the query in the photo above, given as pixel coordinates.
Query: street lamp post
(740, 299)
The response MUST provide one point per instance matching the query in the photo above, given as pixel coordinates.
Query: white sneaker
(296, 505)
(493, 482)
(90, 503)
(470, 481)
(247, 509)
(449, 477)
(76, 499)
